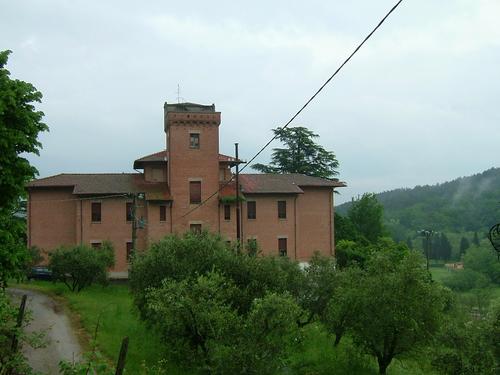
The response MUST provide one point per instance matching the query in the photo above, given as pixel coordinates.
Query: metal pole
(134, 222)
(238, 224)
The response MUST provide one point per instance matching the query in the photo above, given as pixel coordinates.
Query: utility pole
(238, 224)
(427, 234)
(134, 221)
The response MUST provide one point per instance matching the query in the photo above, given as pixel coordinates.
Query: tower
(192, 140)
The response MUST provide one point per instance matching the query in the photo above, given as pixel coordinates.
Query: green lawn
(440, 273)
(112, 307)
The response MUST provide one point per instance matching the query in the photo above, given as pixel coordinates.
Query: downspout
(171, 217)
(295, 224)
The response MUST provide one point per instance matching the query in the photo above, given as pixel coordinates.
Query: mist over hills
(465, 204)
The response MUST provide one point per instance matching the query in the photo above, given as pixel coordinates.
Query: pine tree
(475, 239)
(446, 247)
(464, 245)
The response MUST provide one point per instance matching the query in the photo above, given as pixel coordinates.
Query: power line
(301, 109)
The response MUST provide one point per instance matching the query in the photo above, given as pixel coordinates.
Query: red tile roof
(105, 183)
(283, 183)
(162, 156)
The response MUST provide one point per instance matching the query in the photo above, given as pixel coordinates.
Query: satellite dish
(494, 237)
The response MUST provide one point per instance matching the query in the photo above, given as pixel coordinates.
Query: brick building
(288, 214)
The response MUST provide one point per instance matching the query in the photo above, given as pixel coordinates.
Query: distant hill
(466, 204)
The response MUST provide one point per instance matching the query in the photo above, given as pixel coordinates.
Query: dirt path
(48, 316)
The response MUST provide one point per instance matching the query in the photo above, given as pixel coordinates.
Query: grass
(111, 306)
(440, 273)
(318, 356)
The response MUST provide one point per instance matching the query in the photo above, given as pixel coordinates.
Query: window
(195, 228)
(282, 246)
(281, 209)
(227, 212)
(251, 210)
(96, 212)
(194, 140)
(129, 250)
(195, 192)
(163, 213)
(96, 245)
(128, 212)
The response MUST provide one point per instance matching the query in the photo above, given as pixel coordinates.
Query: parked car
(40, 273)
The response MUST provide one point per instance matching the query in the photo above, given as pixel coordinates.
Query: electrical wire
(301, 109)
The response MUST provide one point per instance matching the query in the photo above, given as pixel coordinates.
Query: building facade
(187, 186)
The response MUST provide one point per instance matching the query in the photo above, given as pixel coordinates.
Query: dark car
(40, 273)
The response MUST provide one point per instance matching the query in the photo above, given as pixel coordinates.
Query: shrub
(81, 266)
(182, 257)
(204, 331)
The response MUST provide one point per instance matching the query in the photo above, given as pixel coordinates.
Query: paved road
(49, 316)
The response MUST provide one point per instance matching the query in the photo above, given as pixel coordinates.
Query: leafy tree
(409, 243)
(301, 155)
(342, 309)
(187, 256)
(350, 253)
(484, 261)
(81, 266)
(464, 245)
(475, 239)
(468, 346)
(204, 330)
(345, 229)
(366, 214)
(20, 125)
(319, 286)
(400, 307)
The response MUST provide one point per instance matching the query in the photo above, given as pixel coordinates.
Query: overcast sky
(417, 105)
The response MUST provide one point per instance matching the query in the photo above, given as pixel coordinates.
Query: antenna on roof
(179, 97)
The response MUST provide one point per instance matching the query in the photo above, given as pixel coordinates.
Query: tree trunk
(383, 363)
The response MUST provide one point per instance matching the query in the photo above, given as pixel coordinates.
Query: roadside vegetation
(193, 305)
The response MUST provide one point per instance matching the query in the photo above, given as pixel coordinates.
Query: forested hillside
(467, 204)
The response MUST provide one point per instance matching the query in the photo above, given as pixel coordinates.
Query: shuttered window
(282, 247)
(282, 209)
(163, 213)
(194, 140)
(251, 210)
(195, 192)
(96, 212)
(128, 212)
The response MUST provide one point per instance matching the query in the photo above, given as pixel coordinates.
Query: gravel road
(48, 316)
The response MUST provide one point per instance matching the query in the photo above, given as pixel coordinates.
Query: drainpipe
(171, 216)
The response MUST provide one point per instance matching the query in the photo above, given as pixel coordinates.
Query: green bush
(80, 266)
(464, 280)
(484, 261)
(204, 331)
(182, 257)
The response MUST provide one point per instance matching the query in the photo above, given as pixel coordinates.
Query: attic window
(194, 140)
